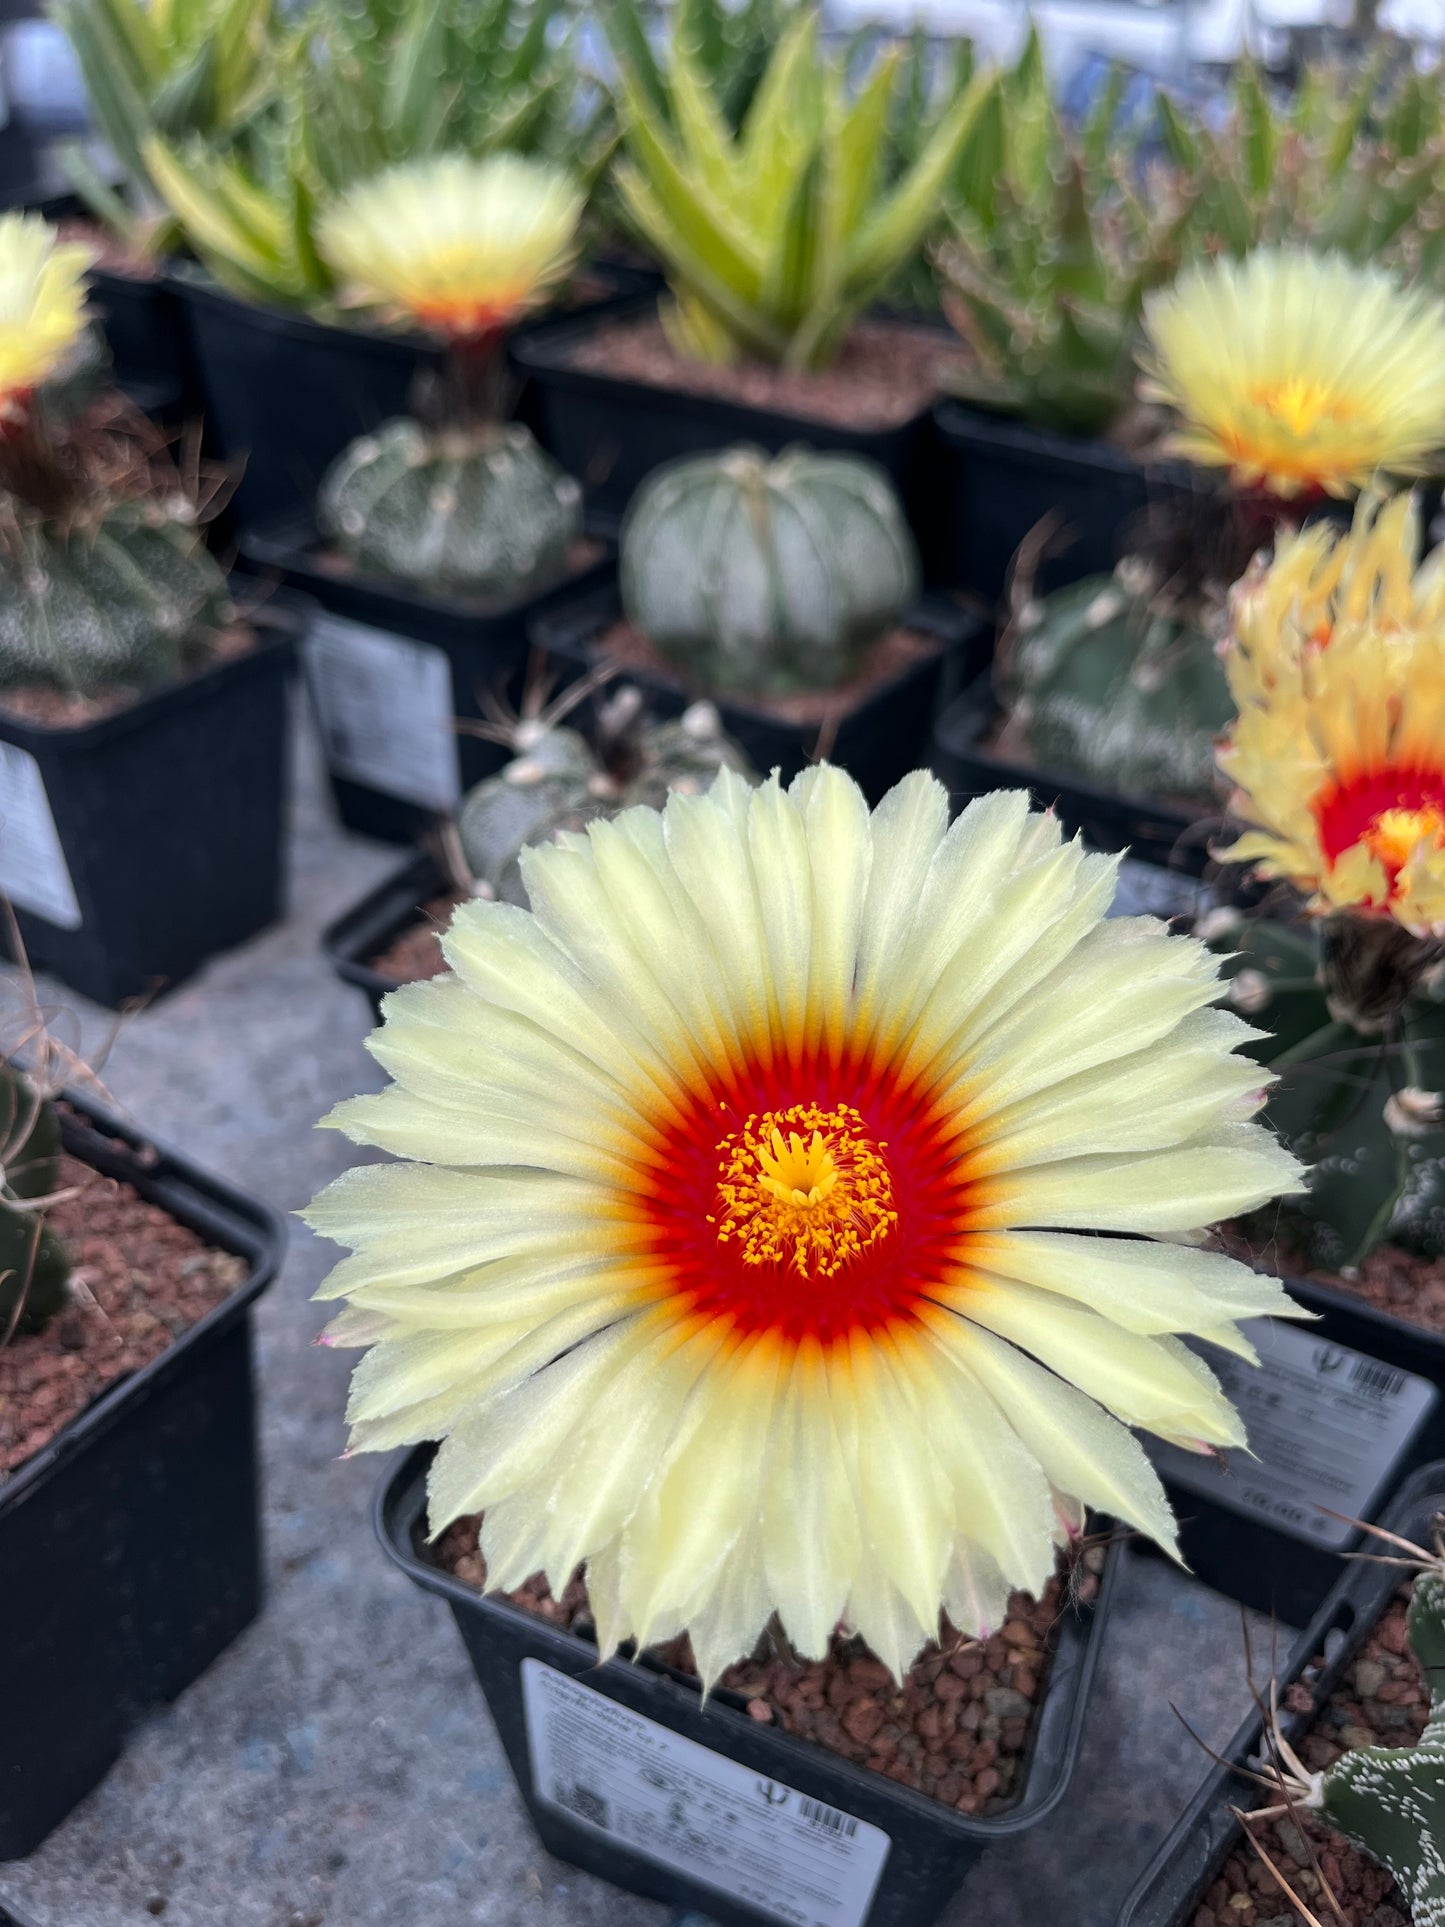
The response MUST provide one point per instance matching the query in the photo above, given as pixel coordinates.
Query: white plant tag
(33, 872)
(683, 1806)
(1327, 1426)
(384, 708)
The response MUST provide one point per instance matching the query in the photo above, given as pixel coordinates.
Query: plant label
(384, 709)
(1327, 1425)
(33, 872)
(653, 1792)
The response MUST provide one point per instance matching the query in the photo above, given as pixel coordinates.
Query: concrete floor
(336, 1767)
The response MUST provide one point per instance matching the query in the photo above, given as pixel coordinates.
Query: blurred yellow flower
(753, 1242)
(1299, 373)
(461, 246)
(42, 305)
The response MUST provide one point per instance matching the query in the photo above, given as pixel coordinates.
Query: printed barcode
(843, 1824)
(1382, 1380)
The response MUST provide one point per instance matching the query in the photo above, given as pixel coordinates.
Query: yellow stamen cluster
(803, 1186)
(42, 306)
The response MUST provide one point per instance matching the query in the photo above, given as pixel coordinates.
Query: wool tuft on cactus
(794, 1214)
(1301, 374)
(774, 238)
(766, 575)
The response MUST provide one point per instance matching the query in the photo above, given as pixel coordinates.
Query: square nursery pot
(1001, 477)
(1207, 1833)
(285, 393)
(1338, 1413)
(629, 1774)
(130, 1544)
(388, 908)
(878, 741)
(390, 667)
(1154, 831)
(611, 432)
(141, 844)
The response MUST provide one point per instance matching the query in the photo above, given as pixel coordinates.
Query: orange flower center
(1392, 812)
(811, 1200)
(1301, 404)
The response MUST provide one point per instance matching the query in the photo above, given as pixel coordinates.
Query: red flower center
(1390, 811)
(813, 1202)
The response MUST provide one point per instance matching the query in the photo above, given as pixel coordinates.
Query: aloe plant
(363, 87)
(1055, 238)
(730, 44)
(178, 68)
(774, 238)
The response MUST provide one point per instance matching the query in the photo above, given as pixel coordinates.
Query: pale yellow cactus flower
(1300, 373)
(753, 1241)
(42, 306)
(458, 245)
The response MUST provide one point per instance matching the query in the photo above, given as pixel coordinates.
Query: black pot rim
(969, 425)
(247, 1226)
(396, 1508)
(370, 923)
(546, 348)
(1159, 1898)
(284, 616)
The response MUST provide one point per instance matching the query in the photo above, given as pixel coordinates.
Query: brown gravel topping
(416, 952)
(41, 702)
(1393, 1281)
(958, 1730)
(887, 371)
(1381, 1701)
(584, 554)
(139, 1280)
(821, 709)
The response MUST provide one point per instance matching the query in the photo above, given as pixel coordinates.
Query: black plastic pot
(1207, 1832)
(879, 741)
(140, 845)
(365, 930)
(285, 393)
(130, 1544)
(1001, 477)
(740, 1801)
(387, 694)
(1339, 1413)
(1155, 832)
(611, 433)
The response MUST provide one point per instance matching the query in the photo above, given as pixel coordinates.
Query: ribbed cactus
(1352, 1015)
(765, 576)
(476, 511)
(1112, 680)
(559, 780)
(34, 1268)
(118, 598)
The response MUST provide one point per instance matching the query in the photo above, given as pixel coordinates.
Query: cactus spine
(34, 1269)
(765, 576)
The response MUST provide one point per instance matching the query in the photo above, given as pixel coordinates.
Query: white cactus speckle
(1106, 607)
(702, 722)
(1411, 1112)
(1219, 925)
(442, 500)
(525, 771)
(1249, 991)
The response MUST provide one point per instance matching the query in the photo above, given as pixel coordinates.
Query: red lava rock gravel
(1382, 1701)
(417, 951)
(957, 1731)
(1393, 1281)
(139, 1280)
(887, 371)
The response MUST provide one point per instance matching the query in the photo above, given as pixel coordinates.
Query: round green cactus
(767, 576)
(34, 1268)
(474, 511)
(559, 781)
(119, 598)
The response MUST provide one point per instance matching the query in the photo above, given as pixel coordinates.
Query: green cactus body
(1356, 1035)
(559, 782)
(118, 600)
(479, 512)
(33, 1276)
(766, 576)
(1391, 1800)
(1108, 684)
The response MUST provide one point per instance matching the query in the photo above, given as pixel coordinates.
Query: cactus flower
(1302, 374)
(460, 246)
(755, 1238)
(1338, 752)
(42, 306)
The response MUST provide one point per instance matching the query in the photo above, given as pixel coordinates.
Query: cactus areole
(766, 576)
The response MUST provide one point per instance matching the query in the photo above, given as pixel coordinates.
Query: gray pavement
(336, 1767)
